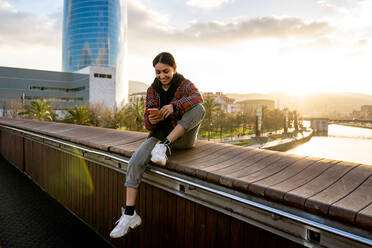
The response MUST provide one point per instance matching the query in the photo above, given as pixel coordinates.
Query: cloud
(147, 32)
(207, 3)
(326, 5)
(257, 28)
(18, 29)
(4, 5)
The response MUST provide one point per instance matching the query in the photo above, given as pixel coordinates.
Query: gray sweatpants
(191, 121)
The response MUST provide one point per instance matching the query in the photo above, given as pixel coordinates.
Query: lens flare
(78, 174)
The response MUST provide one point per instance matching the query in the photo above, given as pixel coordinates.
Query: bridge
(214, 195)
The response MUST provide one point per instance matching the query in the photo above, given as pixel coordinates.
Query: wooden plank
(88, 206)
(180, 224)
(104, 141)
(189, 224)
(258, 165)
(155, 217)
(242, 167)
(80, 132)
(270, 169)
(344, 186)
(223, 230)
(95, 179)
(117, 204)
(106, 205)
(101, 199)
(237, 233)
(252, 236)
(50, 163)
(245, 169)
(220, 155)
(364, 217)
(163, 211)
(111, 198)
(299, 196)
(200, 222)
(199, 147)
(80, 178)
(211, 228)
(148, 216)
(278, 191)
(65, 178)
(75, 165)
(267, 170)
(172, 219)
(260, 186)
(142, 212)
(127, 149)
(347, 208)
(192, 155)
(242, 156)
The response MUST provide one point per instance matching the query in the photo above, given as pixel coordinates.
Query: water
(344, 143)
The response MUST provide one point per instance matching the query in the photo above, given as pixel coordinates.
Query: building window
(100, 75)
(55, 99)
(57, 89)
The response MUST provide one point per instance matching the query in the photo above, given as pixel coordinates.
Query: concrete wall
(101, 86)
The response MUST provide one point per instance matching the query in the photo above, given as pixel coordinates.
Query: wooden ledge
(335, 189)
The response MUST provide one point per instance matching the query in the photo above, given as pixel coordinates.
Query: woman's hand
(155, 118)
(166, 110)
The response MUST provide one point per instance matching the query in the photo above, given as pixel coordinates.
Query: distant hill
(317, 104)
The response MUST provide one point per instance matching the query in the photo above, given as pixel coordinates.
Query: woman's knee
(199, 108)
(193, 117)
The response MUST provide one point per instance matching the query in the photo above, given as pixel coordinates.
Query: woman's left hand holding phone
(154, 115)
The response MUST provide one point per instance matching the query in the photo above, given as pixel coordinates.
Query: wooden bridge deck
(336, 190)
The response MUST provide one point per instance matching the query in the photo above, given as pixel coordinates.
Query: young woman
(173, 115)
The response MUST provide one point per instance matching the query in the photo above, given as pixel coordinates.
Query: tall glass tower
(95, 33)
(91, 31)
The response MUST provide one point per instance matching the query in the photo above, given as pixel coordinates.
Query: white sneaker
(124, 223)
(158, 154)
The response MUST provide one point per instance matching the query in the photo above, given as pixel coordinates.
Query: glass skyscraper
(91, 30)
(94, 33)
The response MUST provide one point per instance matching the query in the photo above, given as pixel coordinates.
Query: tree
(210, 107)
(273, 119)
(113, 118)
(134, 116)
(78, 115)
(96, 111)
(39, 110)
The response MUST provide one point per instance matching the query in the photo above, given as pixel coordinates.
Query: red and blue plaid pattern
(185, 98)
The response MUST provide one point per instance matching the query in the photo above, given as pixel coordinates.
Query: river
(344, 143)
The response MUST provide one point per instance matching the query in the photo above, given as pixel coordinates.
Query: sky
(234, 46)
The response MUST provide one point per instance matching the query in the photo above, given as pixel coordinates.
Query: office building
(62, 90)
(94, 34)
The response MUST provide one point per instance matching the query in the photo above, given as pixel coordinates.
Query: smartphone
(153, 111)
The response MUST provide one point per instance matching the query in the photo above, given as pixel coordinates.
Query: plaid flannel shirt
(185, 98)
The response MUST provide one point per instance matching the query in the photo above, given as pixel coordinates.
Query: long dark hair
(165, 58)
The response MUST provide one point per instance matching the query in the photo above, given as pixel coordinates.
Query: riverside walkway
(29, 217)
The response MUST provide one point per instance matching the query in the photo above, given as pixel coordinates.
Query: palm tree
(210, 107)
(39, 110)
(134, 116)
(78, 115)
(112, 118)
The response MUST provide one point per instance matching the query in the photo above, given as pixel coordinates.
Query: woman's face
(164, 73)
